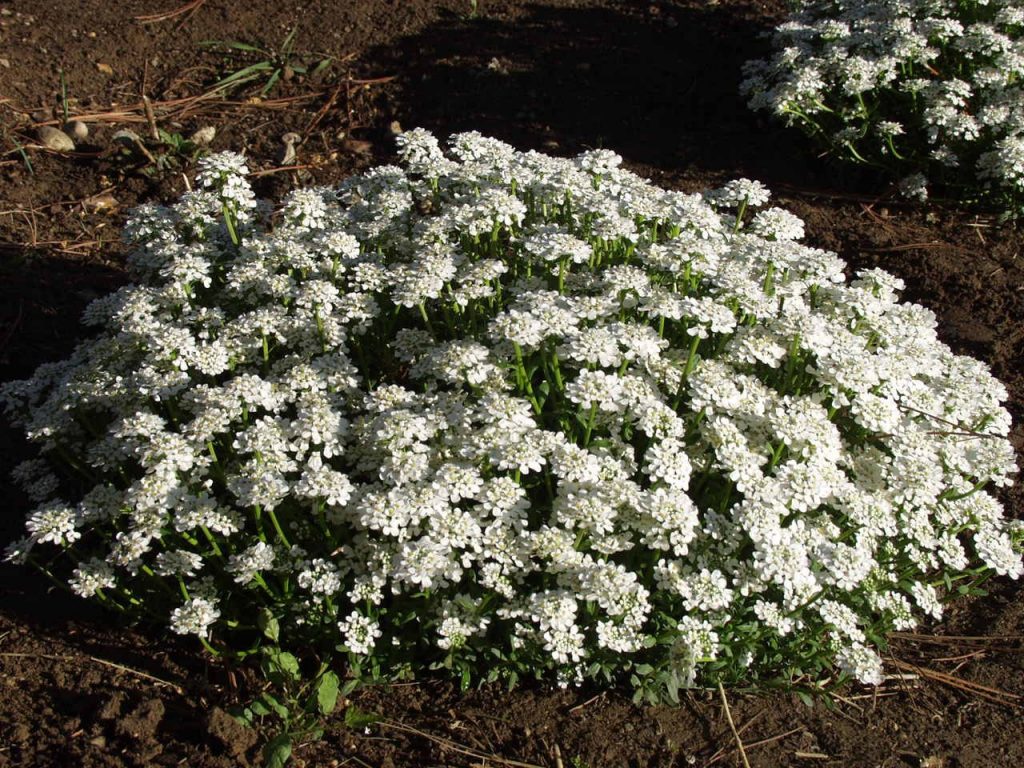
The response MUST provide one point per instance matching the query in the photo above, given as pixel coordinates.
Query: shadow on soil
(665, 93)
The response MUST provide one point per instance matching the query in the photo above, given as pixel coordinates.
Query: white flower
(359, 633)
(55, 522)
(246, 564)
(861, 663)
(91, 576)
(777, 224)
(739, 192)
(505, 403)
(178, 562)
(195, 617)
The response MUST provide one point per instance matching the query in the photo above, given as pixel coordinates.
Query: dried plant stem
(994, 695)
(104, 662)
(732, 727)
(188, 8)
(453, 746)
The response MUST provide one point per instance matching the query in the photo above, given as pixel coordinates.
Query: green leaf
(672, 687)
(466, 602)
(259, 708)
(286, 46)
(243, 715)
(358, 719)
(243, 75)
(321, 66)
(232, 44)
(277, 752)
(806, 698)
(270, 701)
(327, 692)
(270, 83)
(268, 624)
(349, 686)
(284, 662)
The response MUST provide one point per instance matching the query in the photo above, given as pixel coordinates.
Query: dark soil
(654, 81)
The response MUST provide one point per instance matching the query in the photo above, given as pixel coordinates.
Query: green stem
(160, 582)
(277, 527)
(206, 644)
(426, 319)
(213, 541)
(691, 361)
(556, 371)
(229, 222)
(739, 214)
(590, 425)
(525, 379)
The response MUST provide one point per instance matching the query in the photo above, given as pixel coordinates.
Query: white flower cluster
(528, 412)
(933, 86)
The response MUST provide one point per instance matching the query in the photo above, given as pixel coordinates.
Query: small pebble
(101, 203)
(287, 154)
(357, 146)
(55, 139)
(204, 135)
(128, 137)
(77, 130)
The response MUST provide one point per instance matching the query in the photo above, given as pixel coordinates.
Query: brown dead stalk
(185, 10)
(54, 657)
(993, 695)
(454, 746)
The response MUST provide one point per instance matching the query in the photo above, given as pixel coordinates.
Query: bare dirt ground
(655, 81)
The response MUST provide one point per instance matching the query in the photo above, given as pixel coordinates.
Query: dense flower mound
(510, 415)
(929, 88)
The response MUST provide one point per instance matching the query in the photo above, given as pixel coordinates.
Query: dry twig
(732, 726)
(54, 657)
(994, 695)
(957, 639)
(188, 8)
(453, 746)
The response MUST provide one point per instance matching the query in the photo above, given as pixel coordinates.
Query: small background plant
(930, 92)
(272, 66)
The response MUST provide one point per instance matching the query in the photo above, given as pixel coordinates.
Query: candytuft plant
(502, 415)
(930, 90)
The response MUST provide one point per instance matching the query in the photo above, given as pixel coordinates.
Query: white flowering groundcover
(512, 415)
(932, 90)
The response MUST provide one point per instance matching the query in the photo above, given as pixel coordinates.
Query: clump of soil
(229, 733)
